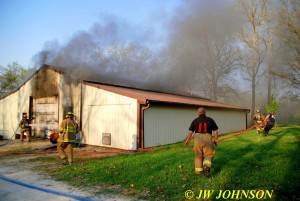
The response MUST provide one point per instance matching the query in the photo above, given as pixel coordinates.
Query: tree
(269, 28)
(203, 51)
(218, 61)
(254, 46)
(288, 30)
(273, 106)
(11, 77)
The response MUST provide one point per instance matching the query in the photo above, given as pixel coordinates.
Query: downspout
(247, 118)
(143, 123)
(81, 108)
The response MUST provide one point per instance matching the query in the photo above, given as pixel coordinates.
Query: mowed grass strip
(245, 162)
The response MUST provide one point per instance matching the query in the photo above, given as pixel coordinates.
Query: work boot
(265, 134)
(198, 173)
(64, 162)
(206, 171)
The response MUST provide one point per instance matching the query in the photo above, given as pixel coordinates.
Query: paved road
(13, 190)
(20, 182)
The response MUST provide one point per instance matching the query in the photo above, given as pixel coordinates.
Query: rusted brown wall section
(45, 83)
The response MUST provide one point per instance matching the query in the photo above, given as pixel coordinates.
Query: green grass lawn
(246, 162)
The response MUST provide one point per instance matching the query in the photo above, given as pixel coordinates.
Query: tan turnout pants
(204, 151)
(258, 126)
(65, 151)
(25, 133)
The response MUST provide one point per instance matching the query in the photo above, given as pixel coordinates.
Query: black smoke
(169, 55)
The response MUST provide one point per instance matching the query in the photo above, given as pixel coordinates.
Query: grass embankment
(245, 162)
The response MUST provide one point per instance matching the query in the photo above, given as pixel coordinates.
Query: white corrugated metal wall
(10, 108)
(228, 120)
(105, 113)
(166, 124)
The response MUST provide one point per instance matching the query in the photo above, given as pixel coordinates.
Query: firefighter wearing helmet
(258, 118)
(25, 128)
(67, 137)
(204, 151)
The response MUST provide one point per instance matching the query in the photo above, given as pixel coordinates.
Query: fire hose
(114, 150)
(53, 150)
(241, 132)
(236, 134)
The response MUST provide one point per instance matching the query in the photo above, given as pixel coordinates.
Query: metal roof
(153, 96)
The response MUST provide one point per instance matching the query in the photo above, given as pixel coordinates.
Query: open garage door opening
(45, 114)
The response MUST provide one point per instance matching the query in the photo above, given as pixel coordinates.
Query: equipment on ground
(54, 137)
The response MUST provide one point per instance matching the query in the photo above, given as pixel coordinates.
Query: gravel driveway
(18, 167)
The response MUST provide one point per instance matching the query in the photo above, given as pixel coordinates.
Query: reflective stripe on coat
(68, 129)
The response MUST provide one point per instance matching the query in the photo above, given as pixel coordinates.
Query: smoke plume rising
(116, 52)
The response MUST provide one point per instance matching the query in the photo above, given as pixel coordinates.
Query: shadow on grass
(260, 163)
(290, 184)
(246, 162)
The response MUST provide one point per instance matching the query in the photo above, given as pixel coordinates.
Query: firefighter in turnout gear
(258, 118)
(204, 151)
(270, 119)
(67, 137)
(25, 128)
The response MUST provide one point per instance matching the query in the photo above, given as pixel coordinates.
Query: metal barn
(110, 116)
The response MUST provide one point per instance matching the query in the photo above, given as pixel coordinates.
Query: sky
(26, 25)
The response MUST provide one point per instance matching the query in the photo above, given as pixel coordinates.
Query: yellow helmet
(69, 114)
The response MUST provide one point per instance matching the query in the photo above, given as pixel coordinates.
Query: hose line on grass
(236, 134)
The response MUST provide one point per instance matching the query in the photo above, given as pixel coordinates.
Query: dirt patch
(22, 166)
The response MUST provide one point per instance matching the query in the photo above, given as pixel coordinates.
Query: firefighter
(270, 119)
(67, 137)
(25, 128)
(258, 118)
(204, 151)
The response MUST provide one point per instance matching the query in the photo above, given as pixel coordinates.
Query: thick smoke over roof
(116, 52)
(111, 51)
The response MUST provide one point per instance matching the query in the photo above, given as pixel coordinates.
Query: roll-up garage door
(45, 113)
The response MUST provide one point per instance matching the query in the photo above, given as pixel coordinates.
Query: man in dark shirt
(270, 119)
(204, 151)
